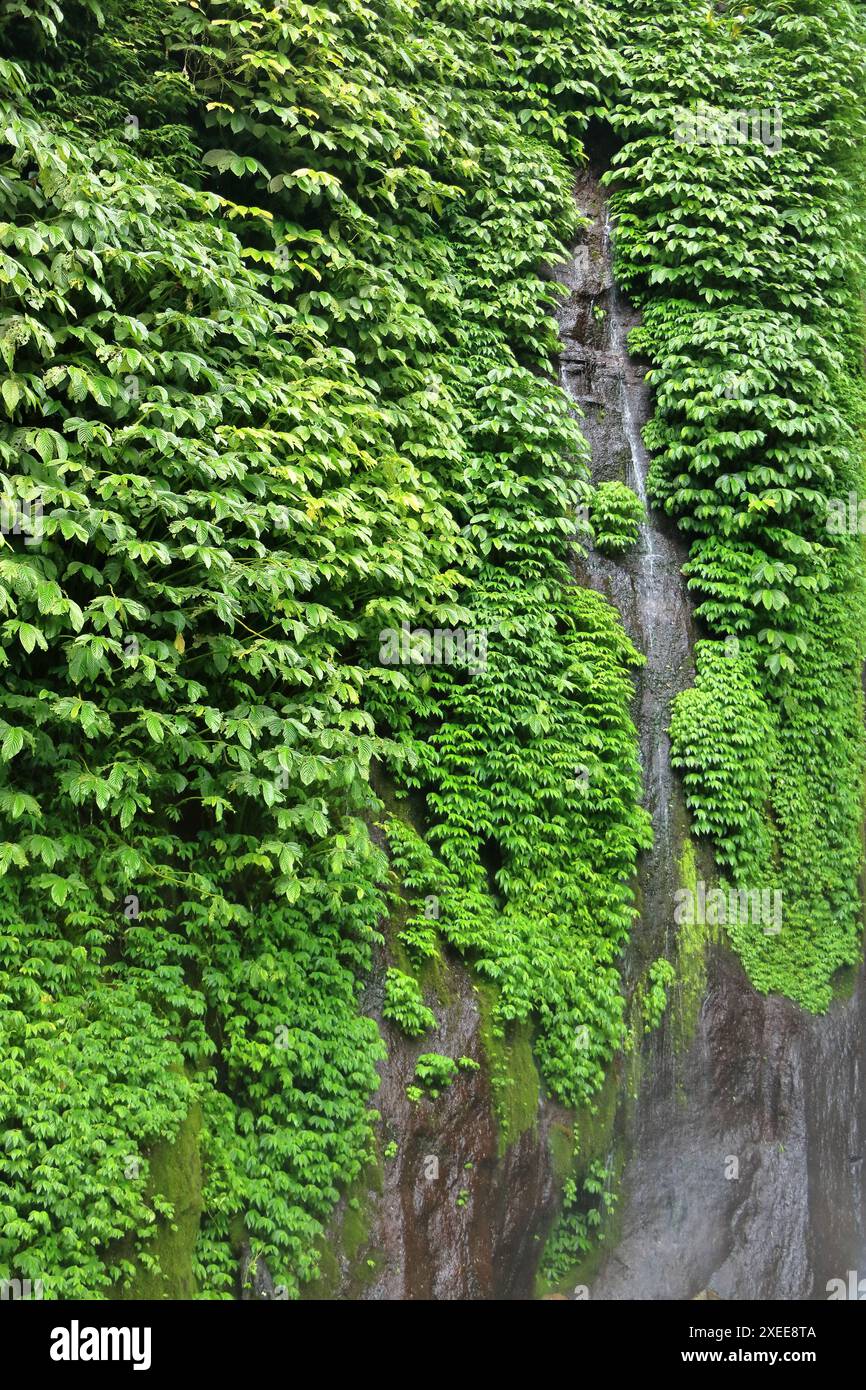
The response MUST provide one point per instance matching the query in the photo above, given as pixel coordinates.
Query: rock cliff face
(739, 1134)
(746, 1152)
(478, 1231)
(736, 1138)
(745, 1142)
(461, 1201)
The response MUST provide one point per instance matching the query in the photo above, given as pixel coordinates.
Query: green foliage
(436, 1072)
(724, 735)
(404, 1004)
(579, 1224)
(746, 257)
(276, 364)
(276, 355)
(660, 976)
(518, 781)
(616, 514)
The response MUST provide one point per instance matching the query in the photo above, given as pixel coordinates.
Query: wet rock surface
(745, 1136)
(455, 1218)
(645, 584)
(746, 1161)
(747, 1139)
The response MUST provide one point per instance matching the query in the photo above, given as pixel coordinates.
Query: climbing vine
(739, 207)
(278, 430)
(276, 355)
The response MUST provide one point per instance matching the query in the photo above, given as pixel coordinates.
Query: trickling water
(747, 1141)
(630, 384)
(757, 1081)
(645, 585)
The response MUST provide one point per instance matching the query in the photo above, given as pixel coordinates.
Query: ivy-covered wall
(275, 347)
(278, 419)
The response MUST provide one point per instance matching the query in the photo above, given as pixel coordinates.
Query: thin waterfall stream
(645, 584)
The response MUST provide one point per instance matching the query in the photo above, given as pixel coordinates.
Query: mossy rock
(513, 1073)
(176, 1176)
